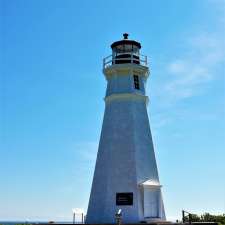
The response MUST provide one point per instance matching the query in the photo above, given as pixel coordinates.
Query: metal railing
(130, 58)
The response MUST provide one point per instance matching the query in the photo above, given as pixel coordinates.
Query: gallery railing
(125, 57)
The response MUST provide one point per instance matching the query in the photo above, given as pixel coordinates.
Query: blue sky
(52, 90)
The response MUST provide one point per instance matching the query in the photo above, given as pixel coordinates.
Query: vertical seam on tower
(134, 156)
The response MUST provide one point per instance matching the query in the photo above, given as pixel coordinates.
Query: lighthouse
(126, 176)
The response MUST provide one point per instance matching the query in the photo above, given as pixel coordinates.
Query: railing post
(131, 57)
(146, 60)
(183, 216)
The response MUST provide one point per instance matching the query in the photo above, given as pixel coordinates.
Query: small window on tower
(136, 82)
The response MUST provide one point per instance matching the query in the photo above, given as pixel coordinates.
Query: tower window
(136, 82)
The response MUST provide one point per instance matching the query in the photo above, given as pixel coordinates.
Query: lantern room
(125, 51)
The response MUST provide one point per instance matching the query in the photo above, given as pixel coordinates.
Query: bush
(206, 217)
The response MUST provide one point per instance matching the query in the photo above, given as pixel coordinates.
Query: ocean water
(15, 222)
(34, 222)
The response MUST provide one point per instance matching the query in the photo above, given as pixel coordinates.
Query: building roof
(151, 183)
(125, 41)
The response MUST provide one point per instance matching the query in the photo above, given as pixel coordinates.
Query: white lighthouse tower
(126, 175)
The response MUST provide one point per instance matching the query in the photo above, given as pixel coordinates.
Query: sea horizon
(14, 222)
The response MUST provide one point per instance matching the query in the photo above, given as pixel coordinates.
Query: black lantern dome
(126, 51)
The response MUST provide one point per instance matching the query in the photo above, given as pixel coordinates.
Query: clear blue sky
(52, 106)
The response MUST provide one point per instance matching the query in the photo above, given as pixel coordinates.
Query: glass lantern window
(126, 48)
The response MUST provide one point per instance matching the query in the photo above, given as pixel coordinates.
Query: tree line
(206, 217)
